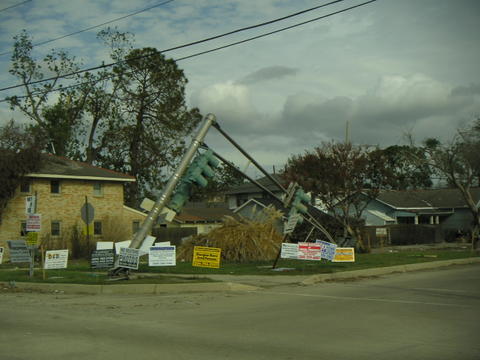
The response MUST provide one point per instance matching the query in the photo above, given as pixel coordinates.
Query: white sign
(1, 254)
(104, 245)
(162, 256)
(309, 251)
(56, 259)
(30, 204)
(146, 244)
(162, 243)
(34, 222)
(129, 258)
(122, 244)
(289, 251)
(381, 231)
(328, 249)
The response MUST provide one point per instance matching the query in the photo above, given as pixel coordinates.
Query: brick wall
(65, 208)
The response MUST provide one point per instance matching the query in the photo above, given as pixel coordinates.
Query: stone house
(62, 187)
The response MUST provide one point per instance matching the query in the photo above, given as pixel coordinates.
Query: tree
(130, 118)
(57, 121)
(343, 177)
(19, 155)
(403, 173)
(459, 163)
(152, 120)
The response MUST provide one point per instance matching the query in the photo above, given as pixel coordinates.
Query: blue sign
(328, 250)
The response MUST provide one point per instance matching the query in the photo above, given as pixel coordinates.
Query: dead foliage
(241, 240)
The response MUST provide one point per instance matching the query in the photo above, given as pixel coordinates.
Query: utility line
(12, 6)
(95, 26)
(198, 42)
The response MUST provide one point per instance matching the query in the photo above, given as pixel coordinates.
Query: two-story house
(62, 187)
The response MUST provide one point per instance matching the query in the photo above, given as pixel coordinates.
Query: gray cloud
(268, 73)
(472, 89)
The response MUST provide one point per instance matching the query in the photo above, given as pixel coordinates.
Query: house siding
(461, 219)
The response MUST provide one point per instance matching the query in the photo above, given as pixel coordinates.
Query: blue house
(444, 207)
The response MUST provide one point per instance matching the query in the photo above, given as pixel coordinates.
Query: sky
(386, 69)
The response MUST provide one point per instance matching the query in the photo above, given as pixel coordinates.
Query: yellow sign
(344, 255)
(206, 257)
(90, 229)
(32, 238)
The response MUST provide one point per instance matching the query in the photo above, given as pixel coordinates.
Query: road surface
(420, 315)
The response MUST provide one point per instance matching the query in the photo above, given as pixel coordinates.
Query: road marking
(363, 299)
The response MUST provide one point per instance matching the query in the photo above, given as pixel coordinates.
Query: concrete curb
(134, 289)
(387, 270)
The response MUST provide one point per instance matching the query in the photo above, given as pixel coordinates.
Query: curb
(387, 270)
(134, 289)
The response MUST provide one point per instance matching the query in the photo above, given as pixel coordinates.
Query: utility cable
(95, 26)
(12, 6)
(190, 44)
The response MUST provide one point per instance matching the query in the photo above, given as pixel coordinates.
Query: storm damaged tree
(344, 178)
(19, 155)
(57, 120)
(152, 120)
(459, 163)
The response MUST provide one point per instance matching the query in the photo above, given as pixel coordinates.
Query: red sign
(309, 251)
(34, 222)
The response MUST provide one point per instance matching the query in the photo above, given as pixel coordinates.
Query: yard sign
(208, 257)
(56, 259)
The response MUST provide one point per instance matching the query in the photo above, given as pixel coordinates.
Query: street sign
(1, 254)
(328, 249)
(30, 205)
(162, 256)
(344, 255)
(208, 257)
(291, 223)
(102, 259)
(34, 222)
(19, 252)
(129, 258)
(381, 231)
(56, 259)
(87, 212)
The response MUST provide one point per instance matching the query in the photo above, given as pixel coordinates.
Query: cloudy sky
(388, 68)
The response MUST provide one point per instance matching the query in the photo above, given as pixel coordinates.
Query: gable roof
(56, 167)
(421, 199)
(248, 187)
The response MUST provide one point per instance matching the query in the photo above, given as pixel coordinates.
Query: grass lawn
(78, 271)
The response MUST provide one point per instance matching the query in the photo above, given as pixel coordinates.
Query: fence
(174, 235)
(403, 234)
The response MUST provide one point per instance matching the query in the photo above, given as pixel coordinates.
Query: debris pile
(241, 240)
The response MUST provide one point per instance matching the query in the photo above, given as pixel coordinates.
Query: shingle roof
(433, 198)
(53, 166)
(248, 187)
(203, 214)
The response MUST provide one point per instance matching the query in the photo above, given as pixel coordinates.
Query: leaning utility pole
(170, 187)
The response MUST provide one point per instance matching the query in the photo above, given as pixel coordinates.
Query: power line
(12, 6)
(199, 53)
(95, 26)
(180, 46)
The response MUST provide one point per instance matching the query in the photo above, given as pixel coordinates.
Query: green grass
(78, 271)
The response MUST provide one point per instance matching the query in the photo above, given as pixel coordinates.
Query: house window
(97, 228)
(25, 186)
(23, 228)
(135, 226)
(55, 187)
(97, 189)
(55, 228)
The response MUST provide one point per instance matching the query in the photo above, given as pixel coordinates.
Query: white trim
(248, 201)
(134, 211)
(58, 176)
(381, 215)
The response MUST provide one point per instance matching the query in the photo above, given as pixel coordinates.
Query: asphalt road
(420, 315)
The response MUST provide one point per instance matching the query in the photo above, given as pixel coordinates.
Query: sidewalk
(227, 283)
